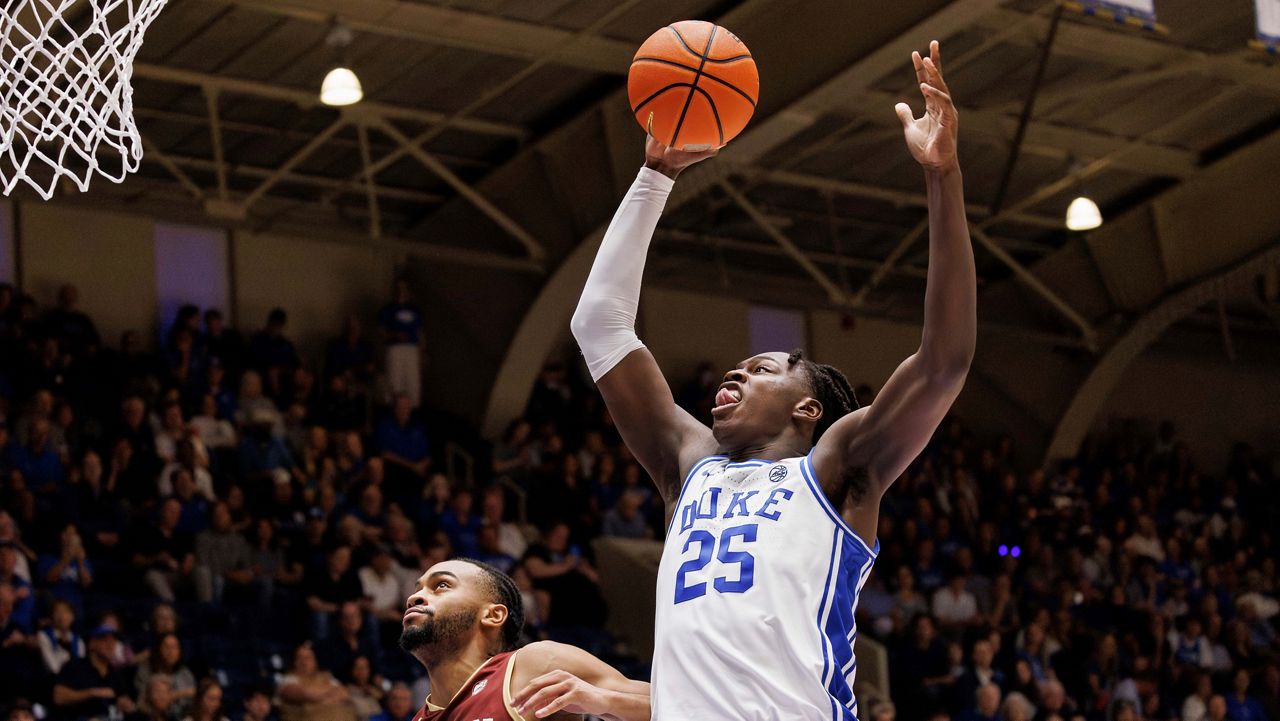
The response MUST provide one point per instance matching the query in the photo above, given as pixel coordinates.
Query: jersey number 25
(706, 547)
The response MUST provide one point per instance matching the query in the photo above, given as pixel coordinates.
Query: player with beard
(463, 623)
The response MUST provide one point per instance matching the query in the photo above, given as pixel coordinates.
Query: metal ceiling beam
(451, 27)
(834, 293)
(531, 245)
(1135, 50)
(310, 98)
(314, 181)
(889, 195)
(739, 245)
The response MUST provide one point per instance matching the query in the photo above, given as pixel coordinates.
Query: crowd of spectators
(223, 528)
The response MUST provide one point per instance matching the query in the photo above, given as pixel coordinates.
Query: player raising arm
(760, 574)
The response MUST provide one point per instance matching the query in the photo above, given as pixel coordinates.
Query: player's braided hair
(504, 592)
(829, 387)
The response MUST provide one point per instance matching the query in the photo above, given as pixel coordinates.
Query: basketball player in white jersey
(760, 575)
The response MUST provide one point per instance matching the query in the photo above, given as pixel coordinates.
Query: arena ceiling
(495, 133)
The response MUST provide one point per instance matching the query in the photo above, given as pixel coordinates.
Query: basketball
(693, 85)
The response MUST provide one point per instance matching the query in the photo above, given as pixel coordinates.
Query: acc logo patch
(479, 687)
(777, 473)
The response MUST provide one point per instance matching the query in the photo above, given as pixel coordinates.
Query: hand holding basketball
(931, 138)
(670, 161)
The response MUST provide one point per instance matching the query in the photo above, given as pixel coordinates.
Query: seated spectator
(1241, 706)
(165, 659)
(980, 671)
(365, 688)
(224, 560)
(624, 519)
(986, 705)
(194, 516)
(350, 354)
(38, 460)
(461, 525)
(187, 458)
(1016, 707)
(491, 553)
(207, 704)
(511, 540)
(88, 688)
(350, 641)
(11, 534)
(399, 705)
(1217, 711)
(907, 602)
(402, 444)
(383, 583)
(258, 706)
(1189, 646)
(164, 554)
(272, 354)
(19, 652)
(330, 586)
(59, 642)
(954, 606)
(222, 344)
(213, 429)
(68, 575)
(265, 460)
(155, 703)
(1054, 702)
(308, 693)
(254, 407)
(568, 577)
(23, 614)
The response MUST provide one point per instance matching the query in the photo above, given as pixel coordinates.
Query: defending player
(760, 574)
(463, 623)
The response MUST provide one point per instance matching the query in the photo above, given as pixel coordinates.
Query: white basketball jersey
(756, 592)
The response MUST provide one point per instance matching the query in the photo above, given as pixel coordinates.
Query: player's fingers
(931, 92)
(935, 53)
(543, 697)
(904, 113)
(935, 75)
(918, 63)
(536, 685)
(555, 705)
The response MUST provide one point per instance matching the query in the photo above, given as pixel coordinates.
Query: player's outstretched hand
(559, 691)
(670, 161)
(932, 138)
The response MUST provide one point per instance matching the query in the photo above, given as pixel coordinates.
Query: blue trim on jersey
(688, 477)
(840, 618)
(823, 610)
(810, 475)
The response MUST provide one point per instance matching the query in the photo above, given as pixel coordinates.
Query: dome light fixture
(1083, 214)
(341, 86)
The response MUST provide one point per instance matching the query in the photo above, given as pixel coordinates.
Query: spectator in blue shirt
(37, 460)
(1240, 705)
(402, 443)
(401, 321)
(462, 526)
(68, 573)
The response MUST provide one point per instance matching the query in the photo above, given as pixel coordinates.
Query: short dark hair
(829, 387)
(502, 590)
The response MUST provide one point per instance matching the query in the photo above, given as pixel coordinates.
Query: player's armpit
(661, 434)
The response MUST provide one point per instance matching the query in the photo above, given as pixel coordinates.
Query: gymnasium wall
(112, 258)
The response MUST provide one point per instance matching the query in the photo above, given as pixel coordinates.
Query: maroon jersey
(482, 698)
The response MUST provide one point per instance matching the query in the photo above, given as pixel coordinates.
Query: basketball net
(66, 105)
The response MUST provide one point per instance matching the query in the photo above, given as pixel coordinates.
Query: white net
(66, 105)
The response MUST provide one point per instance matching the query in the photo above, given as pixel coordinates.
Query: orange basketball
(693, 85)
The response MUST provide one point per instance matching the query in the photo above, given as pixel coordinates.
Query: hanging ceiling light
(1083, 214)
(340, 86)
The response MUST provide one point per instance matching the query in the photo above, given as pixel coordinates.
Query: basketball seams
(663, 61)
(707, 55)
(687, 101)
(714, 112)
(647, 100)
